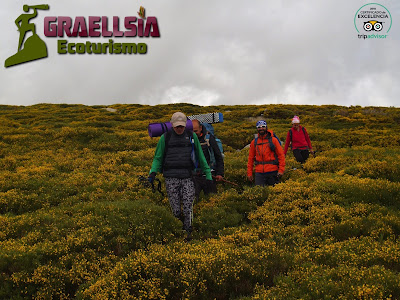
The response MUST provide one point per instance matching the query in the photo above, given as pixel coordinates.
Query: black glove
(151, 177)
(209, 186)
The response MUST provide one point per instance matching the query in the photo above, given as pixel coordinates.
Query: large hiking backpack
(210, 130)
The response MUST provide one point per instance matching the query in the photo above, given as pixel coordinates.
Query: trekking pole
(314, 152)
(158, 187)
(224, 180)
(146, 183)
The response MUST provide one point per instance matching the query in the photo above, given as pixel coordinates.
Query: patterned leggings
(181, 192)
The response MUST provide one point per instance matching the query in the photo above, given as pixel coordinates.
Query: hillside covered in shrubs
(77, 223)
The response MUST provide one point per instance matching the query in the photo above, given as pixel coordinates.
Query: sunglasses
(261, 126)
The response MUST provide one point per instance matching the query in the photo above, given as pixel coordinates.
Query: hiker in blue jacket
(210, 147)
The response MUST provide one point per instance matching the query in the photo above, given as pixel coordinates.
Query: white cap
(178, 119)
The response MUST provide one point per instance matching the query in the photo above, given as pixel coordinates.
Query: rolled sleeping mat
(208, 118)
(157, 129)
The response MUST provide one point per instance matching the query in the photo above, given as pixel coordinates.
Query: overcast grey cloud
(213, 52)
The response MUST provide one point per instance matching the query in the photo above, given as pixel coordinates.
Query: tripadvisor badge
(33, 47)
(372, 21)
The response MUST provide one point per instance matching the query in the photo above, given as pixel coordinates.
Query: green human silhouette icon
(33, 48)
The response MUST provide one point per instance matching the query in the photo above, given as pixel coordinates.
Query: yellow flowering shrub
(76, 222)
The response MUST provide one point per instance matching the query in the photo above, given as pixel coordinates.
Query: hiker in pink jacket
(299, 141)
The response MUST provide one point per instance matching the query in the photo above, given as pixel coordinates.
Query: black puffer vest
(177, 159)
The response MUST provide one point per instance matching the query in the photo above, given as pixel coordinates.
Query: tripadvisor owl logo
(373, 21)
(33, 47)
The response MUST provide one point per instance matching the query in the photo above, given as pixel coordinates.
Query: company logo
(141, 12)
(82, 28)
(33, 47)
(373, 25)
(373, 21)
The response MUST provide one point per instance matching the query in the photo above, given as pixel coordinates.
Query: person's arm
(308, 139)
(287, 143)
(158, 159)
(202, 159)
(250, 161)
(34, 14)
(281, 156)
(218, 156)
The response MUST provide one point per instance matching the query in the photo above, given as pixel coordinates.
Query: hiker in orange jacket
(267, 155)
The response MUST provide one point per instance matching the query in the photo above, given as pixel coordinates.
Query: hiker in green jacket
(176, 156)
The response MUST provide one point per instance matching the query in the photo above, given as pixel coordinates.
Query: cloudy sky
(212, 52)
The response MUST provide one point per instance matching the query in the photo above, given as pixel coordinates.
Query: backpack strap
(207, 139)
(255, 147)
(291, 135)
(164, 127)
(193, 153)
(209, 148)
(167, 137)
(271, 144)
(272, 147)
